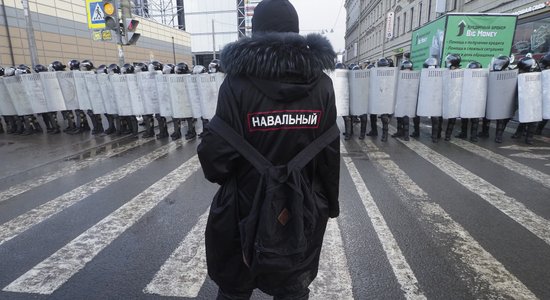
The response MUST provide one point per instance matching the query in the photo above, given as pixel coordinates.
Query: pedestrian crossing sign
(95, 14)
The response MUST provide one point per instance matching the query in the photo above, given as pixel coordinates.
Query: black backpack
(283, 220)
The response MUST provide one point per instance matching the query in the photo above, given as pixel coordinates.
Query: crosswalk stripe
(510, 164)
(490, 193)
(401, 268)
(28, 185)
(183, 274)
(333, 280)
(23, 222)
(54, 271)
(487, 269)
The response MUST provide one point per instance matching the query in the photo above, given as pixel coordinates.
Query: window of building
(532, 36)
(412, 17)
(398, 26)
(404, 22)
(419, 14)
(429, 10)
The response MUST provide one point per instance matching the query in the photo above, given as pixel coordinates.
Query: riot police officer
(31, 123)
(452, 62)
(149, 119)
(383, 62)
(97, 123)
(213, 67)
(128, 124)
(163, 127)
(68, 115)
(437, 127)
(102, 69)
(474, 122)
(525, 65)
(181, 68)
(403, 122)
(82, 124)
(348, 124)
(10, 120)
(501, 63)
(191, 131)
(49, 118)
(544, 64)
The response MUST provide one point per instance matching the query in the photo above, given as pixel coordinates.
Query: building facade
(61, 33)
(383, 28)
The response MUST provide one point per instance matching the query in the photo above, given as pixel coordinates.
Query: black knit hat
(275, 16)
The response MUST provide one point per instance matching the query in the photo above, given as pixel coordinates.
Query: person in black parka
(274, 80)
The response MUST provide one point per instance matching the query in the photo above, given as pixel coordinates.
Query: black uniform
(279, 111)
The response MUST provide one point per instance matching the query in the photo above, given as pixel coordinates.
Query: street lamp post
(30, 32)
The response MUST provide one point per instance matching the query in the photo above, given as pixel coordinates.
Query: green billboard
(427, 41)
(479, 37)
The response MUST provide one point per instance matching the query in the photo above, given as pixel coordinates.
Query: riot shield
(18, 95)
(35, 92)
(52, 89)
(122, 95)
(340, 82)
(106, 89)
(94, 93)
(138, 108)
(406, 96)
(165, 100)
(68, 88)
(192, 88)
(452, 93)
(529, 97)
(501, 94)
(474, 93)
(208, 92)
(181, 104)
(6, 105)
(149, 93)
(382, 91)
(430, 93)
(82, 94)
(545, 78)
(359, 92)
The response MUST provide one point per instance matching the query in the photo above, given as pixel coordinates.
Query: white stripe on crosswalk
(333, 280)
(401, 268)
(23, 222)
(28, 185)
(488, 271)
(488, 192)
(183, 274)
(54, 271)
(509, 164)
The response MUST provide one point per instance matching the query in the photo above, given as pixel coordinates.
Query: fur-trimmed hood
(279, 56)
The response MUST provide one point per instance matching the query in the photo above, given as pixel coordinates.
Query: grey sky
(318, 15)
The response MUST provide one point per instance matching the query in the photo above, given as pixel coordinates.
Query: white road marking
(333, 280)
(401, 268)
(492, 279)
(531, 155)
(21, 223)
(54, 271)
(524, 148)
(509, 164)
(36, 182)
(488, 192)
(183, 274)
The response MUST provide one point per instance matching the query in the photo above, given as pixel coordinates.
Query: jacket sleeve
(329, 168)
(218, 159)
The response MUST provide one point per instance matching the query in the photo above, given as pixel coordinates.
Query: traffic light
(111, 15)
(131, 25)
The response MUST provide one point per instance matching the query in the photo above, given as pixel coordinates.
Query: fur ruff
(276, 56)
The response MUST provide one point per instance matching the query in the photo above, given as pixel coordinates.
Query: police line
(463, 93)
(170, 95)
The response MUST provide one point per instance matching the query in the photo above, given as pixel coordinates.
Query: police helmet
(1, 71)
(527, 64)
(141, 67)
(127, 69)
(544, 62)
(168, 69)
(102, 69)
(356, 68)
(182, 68)
(339, 66)
(74, 64)
(370, 66)
(500, 63)
(474, 65)
(430, 63)
(390, 61)
(22, 69)
(9, 72)
(198, 69)
(351, 66)
(383, 62)
(453, 60)
(86, 65)
(113, 69)
(214, 66)
(407, 65)
(40, 68)
(57, 66)
(155, 66)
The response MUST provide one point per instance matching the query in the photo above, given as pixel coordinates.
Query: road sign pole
(30, 33)
(120, 42)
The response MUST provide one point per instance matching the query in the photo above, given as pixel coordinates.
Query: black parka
(277, 96)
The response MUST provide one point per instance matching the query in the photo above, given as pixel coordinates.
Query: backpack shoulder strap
(239, 143)
(308, 153)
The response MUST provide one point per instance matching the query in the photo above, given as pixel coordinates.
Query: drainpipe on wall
(8, 33)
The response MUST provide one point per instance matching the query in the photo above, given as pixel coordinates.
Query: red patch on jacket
(284, 120)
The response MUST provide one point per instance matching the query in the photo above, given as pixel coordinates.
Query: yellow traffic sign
(95, 14)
